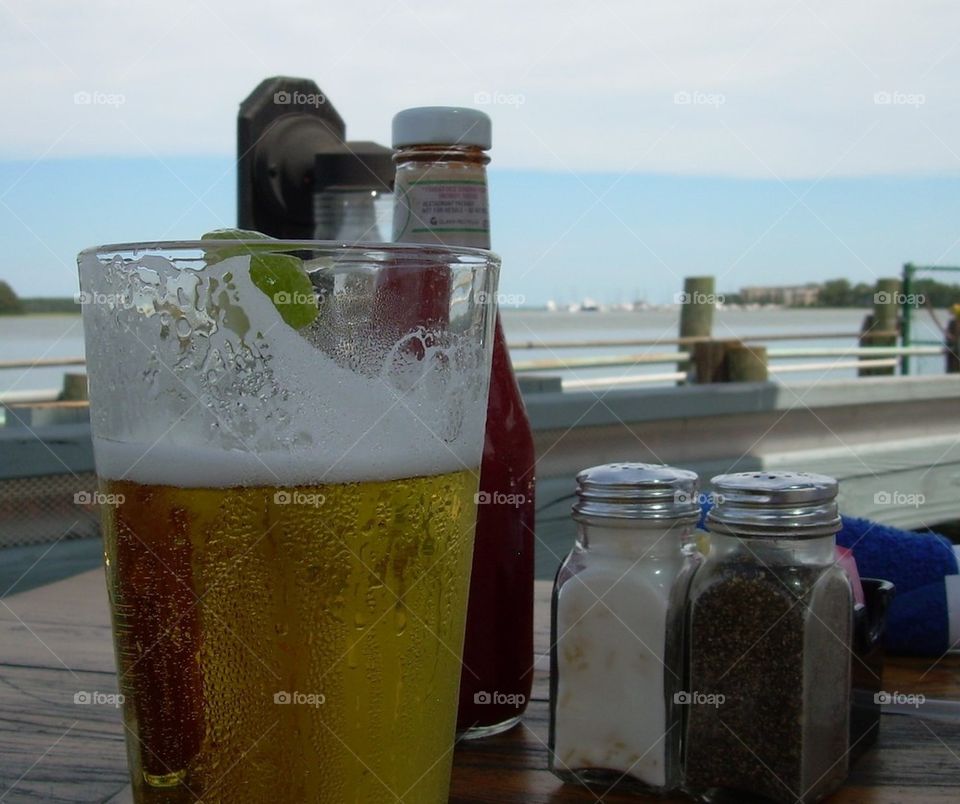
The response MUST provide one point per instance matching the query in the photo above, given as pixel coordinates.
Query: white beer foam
(202, 467)
(305, 419)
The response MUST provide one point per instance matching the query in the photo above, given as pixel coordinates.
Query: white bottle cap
(441, 125)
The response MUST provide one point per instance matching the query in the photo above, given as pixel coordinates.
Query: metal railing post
(906, 330)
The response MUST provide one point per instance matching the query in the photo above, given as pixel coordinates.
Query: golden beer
(294, 455)
(292, 644)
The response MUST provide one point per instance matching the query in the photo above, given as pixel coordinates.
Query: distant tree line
(42, 304)
(11, 304)
(840, 293)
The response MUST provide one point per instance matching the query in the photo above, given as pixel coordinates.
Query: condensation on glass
(293, 446)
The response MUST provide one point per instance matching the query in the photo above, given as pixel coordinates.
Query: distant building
(787, 295)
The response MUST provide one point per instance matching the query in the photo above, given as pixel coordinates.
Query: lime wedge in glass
(281, 277)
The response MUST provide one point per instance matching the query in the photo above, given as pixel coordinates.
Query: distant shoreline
(44, 305)
(510, 309)
(41, 314)
(47, 307)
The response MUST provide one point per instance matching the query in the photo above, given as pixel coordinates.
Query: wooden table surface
(55, 641)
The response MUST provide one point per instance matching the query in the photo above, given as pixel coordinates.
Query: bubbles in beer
(226, 597)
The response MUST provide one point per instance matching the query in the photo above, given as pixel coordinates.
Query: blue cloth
(918, 621)
(906, 559)
(916, 563)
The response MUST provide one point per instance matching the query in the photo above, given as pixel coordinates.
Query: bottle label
(450, 211)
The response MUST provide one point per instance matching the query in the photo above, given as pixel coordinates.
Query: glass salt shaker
(617, 621)
(769, 639)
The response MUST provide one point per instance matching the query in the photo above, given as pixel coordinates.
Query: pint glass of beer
(291, 433)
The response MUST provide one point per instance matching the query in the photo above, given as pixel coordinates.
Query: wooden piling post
(696, 306)
(953, 342)
(729, 361)
(710, 362)
(74, 388)
(880, 327)
(696, 313)
(747, 363)
(886, 308)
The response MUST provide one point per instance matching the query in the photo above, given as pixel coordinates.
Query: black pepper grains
(769, 620)
(749, 644)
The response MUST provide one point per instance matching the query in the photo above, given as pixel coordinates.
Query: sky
(634, 143)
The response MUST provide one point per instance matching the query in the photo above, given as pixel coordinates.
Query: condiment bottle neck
(441, 196)
(442, 154)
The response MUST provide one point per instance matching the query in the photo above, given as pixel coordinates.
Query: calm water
(544, 327)
(32, 337)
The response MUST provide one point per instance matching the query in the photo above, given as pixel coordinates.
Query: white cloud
(598, 80)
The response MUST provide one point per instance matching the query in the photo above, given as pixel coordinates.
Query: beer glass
(290, 434)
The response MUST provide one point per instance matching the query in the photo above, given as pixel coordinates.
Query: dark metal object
(358, 165)
(291, 143)
(869, 621)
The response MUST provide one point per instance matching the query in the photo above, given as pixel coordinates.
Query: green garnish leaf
(282, 278)
(214, 255)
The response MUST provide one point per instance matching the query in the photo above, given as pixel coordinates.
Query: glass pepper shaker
(617, 620)
(769, 639)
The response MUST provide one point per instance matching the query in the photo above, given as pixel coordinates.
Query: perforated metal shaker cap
(640, 491)
(795, 505)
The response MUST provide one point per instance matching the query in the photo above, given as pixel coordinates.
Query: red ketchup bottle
(441, 197)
